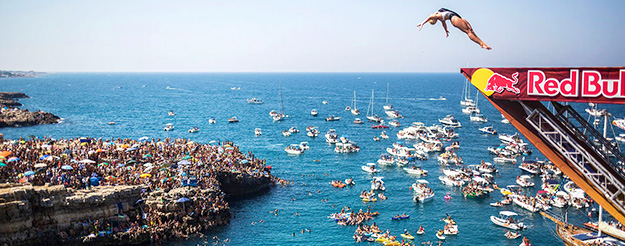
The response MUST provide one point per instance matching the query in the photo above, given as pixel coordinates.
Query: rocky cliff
(11, 116)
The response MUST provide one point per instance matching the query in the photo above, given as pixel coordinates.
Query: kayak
(367, 199)
(401, 217)
(440, 236)
(381, 239)
(407, 236)
(391, 243)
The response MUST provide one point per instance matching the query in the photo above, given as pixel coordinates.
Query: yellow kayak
(407, 236)
(391, 243)
(381, 240)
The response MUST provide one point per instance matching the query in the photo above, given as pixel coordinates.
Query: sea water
(138, 104)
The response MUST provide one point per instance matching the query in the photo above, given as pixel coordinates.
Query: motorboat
(370, 168)
(314, 112)
(504, 159)
(348, 108)
(377, 184)
(194, 130)
(450, 121)
(171, 113)
(304, 146)
(254, 100)
(293, 130)
(525, 181)
(560, 199)
(257, 132)
(416, 170)
(332, 136)
(508, 220)
(324, 102)
(376, 138)
(478, 118)
(488, 130)
(346, 148)
(286, 133)
(333, 118)
(522, 202)
(451, 181)
(441, 98)
(421, 186)
(375, 118)
(293, 149)
(530, 167)
(393, 114)
(380, 126)
(233, 120)
(394, 123)
(111, 122)
(211, 121)
(169, 127)
(507, 138)
(358, 121)
(386, 160)
(424, 197)
(471, 110)
(402, 161)
(312, 132)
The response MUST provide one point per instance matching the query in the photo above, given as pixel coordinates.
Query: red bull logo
(498, 83)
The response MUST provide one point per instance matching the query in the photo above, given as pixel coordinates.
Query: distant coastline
(19, 74)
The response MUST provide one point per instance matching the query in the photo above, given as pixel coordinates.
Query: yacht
(450, 121)
(354, 109)
(294, 149)
(488, 130)
(387, 106)
(358, 121)
(257, 132)
(194, 130)
(171, 113)
(333, 118)
(211, 121)
(370, 115)
(478, 118)
(394, 123)
(393, 114)
(169, 127)
(233, 120)
(293, 130)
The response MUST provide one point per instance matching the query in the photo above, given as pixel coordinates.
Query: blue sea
(138, 103)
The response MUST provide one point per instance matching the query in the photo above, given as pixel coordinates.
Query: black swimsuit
(451, 13)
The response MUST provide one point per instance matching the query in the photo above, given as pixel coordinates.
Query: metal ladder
(599, 172)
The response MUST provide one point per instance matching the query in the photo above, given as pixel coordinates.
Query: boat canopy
(508, 213)
(422, 181)
(370, 164)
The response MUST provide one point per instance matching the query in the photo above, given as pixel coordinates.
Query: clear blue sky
(304, 36)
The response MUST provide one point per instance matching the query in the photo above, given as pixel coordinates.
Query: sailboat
(279, 116)
(387, 106)
(466, 97)
(473, 109)
(355, 110)
(370, 115)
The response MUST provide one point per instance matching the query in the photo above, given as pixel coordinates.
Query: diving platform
(561, 134)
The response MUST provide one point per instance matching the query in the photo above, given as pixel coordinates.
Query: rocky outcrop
(11, 116)
(30, 215)
(236, 184)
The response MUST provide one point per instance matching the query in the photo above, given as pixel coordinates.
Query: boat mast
(354, 101)
(387, 84)
(281, 101)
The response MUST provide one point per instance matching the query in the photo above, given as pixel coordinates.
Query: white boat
(324, 102)
(471, 110)
(348, 108)
(386, 160)
(370, 115)
(312, 132)
(467, 101)
(254, 100)
(171, 113)
(560, 199)
(450, 121)
(415, 170)
(304, 146)
(530, 167)
(234, 119)
(375, 138)
(370, 168)
(387, 106)
(394, 123)
(314, 112)
(525, 181)
(331, 136)
(620, 123)
(440, 235)
(168, 127)
(293, 149)
(257, 132)
(424, 197)
(504, 159)
(421, 186)
(519, 202)
(293, 130)
(507, 219)
(507, 138)
(377, 184)
(594, 111)
(488, 130)
(478, 118)
(451, 229)
(194, 130)
(450, 181)
(358, 121)
(286, 133)
(354, 109)
(441, 98)
(383, 135)
(394, 114)
(346, 148)
(333, 118)
(211, 121)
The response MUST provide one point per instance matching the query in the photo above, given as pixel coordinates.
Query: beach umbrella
(184, 162)
(131, 149)
(131, 162)
(40, 165)
(145, 175)
(139, 201)
(148, 164)
(5, 153)
(143, 138)
(29, 173)
(212, 141)
(87, 161)
(121, 165)
(187, 157)
(184, 199)
(130, 168)
(43, 157)
(147, 155)
(2, 164)
(147, 170)
(67, 167)
(109, 143)
(12, 159)
(244, 161)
